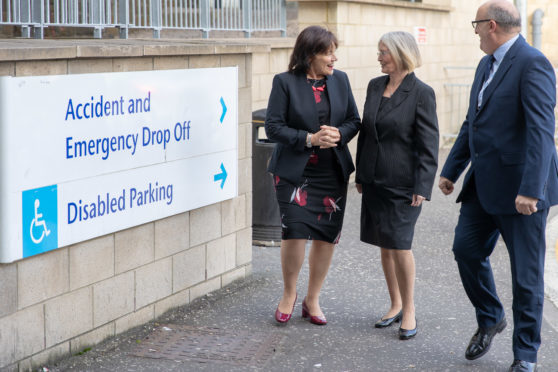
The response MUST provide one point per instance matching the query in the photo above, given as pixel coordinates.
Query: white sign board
(85, 155)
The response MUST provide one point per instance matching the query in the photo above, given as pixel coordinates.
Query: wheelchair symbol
(37, 222)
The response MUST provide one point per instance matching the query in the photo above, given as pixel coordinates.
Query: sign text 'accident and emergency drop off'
(86, 155)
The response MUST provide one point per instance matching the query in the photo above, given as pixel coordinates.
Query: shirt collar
(503, 49)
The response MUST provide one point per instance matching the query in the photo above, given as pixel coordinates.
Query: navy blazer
(509, 140)
(405, 155)
(292, 114)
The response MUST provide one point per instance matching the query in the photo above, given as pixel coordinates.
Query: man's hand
(526, 205)
(445, 185)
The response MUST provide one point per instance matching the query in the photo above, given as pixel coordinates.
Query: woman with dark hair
(311, 116)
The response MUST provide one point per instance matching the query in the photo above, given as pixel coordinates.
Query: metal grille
(458, 97)
(205, 15)
(83, 13)
(266, 15)
(11, 11)
(201, 344)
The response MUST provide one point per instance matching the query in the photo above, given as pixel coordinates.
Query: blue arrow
(224, 110)
(221, 176)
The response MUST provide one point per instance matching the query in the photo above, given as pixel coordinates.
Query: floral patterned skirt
(314, 208)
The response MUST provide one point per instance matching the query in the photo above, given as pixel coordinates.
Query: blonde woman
(397, 157)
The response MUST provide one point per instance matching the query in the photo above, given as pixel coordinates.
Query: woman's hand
(326, 137)
(358, 187)
(417, 200)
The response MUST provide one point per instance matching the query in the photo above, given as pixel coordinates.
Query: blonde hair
(403, 49)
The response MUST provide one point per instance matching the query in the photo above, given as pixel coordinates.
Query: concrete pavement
(353, 298)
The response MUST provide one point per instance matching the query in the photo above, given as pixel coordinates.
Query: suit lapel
(502, 69)
(398, 96)
(332, 89)
(374, 104)
(307, 100)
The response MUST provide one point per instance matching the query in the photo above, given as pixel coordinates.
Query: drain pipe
(536, 22)
(522, 7)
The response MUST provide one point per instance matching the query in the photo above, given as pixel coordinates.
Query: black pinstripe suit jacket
(405, 155)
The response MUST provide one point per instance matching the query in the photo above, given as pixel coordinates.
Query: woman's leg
(319, 261)
(292, 257)
(405, 272)
(388, 264)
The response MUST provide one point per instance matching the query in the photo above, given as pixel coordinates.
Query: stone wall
(451, 42)
(450, 53)
(549, 30)
(62, 301)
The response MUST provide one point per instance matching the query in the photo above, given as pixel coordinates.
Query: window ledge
(392, 3)
(50, 49)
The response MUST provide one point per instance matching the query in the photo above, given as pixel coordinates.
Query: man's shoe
(522, 366)
(481, 340)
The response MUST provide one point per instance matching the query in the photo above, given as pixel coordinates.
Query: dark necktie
(485, 76)
(488, 68)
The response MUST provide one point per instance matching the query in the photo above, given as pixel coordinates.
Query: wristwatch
(309, 140)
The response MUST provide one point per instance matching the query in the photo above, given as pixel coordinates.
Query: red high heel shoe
(282, 317)
(314, 319)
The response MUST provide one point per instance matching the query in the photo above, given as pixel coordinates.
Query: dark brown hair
(311, 41)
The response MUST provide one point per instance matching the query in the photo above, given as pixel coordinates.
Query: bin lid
(259, 115)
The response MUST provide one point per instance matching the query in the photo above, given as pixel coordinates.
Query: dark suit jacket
(406, 155)
(292, 114)
(509, 141)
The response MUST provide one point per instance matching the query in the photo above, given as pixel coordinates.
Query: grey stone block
(21, 334)
(113, 298)
(172, 235)
(68, 316)
(153, 282)
(205, 224)
(8, 289)
(188, 268)
(134, 247)
(42, 277)
(91, 261)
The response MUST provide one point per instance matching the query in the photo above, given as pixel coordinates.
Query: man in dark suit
(508, 139)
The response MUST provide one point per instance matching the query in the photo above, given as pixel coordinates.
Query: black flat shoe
(383, 323)
(406, 334)
(522, 366)
(482, 339)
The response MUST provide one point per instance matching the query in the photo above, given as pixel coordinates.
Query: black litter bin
(266, 220)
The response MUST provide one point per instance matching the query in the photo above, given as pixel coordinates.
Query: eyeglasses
(474, 23)
(383, 53)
